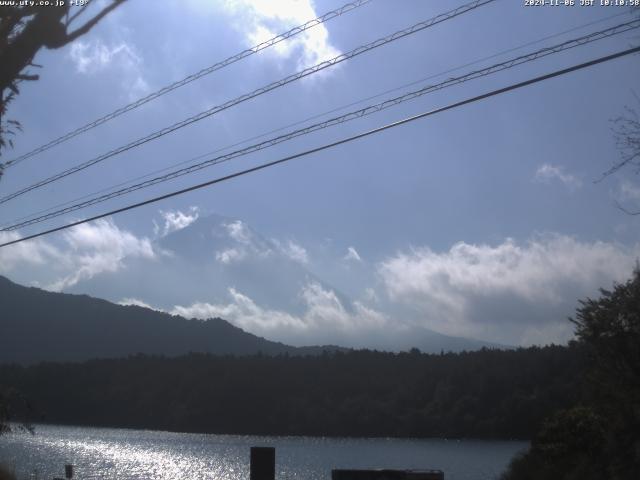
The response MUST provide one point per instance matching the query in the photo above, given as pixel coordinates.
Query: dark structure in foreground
(263, 463)
(383, 474)
(263, 467)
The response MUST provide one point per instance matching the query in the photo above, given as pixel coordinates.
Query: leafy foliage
(14, 408)
(578, 430)
(8, 128)
(601, 437)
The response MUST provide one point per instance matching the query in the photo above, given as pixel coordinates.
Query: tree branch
(80, 11)
(628, 212)
(626, 131)
(25, 76)
(91, 23)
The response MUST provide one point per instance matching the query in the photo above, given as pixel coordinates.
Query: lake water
(142, 454)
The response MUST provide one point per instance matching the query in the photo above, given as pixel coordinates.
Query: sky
(487, 221)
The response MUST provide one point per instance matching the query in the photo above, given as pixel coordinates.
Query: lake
(143, 454)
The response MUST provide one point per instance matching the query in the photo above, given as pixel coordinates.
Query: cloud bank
(326, 319)
(175, 220)
(84, 251)
(513, 293)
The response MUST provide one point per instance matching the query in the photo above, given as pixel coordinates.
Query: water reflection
(138, 454)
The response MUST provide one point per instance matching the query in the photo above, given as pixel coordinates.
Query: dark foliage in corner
(24, 30)
(15, 411)
(6, 474)
(600, 437)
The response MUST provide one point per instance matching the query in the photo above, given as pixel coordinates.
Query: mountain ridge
(37, 325)
(215, 265)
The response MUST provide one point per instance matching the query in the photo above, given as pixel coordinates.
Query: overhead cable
(308, 119)
(592, 37)
(260, 91)
(195, 76)
(263, 166)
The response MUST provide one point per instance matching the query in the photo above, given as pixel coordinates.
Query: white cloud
(325, 310)
(249, 245)
(239, 232)
(80, 253)
(325, 316)
(30, 252)
(176, 220)
(95, 56)
(91, 57)
(246, 244)
(244, 313)
(547, 173)
(352, 255)
(231, 255)
(294, 251)
(86, 250)
(261, 20)
(135, 302)
(513, 293)
(99, 247)
(297, 253)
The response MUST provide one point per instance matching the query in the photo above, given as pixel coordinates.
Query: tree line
(481, 394)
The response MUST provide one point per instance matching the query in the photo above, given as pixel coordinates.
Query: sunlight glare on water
(105, 453)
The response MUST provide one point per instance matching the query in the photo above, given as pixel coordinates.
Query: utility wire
(308, 119)
(272, 86)
(368, 110)
(195, 76)
(404, 121)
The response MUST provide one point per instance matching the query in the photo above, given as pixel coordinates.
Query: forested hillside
(36, 325)
(488, 393)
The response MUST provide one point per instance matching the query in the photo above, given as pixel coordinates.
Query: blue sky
(484, 221)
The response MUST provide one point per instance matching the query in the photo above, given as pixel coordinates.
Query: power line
(262, 90)
(313, 117)
(195, 76)
(404, 121)
(368, 110)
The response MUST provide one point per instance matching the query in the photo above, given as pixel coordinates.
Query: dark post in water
(263, 463)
